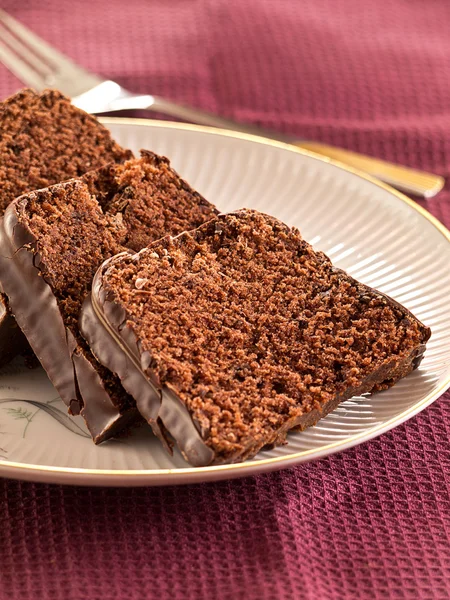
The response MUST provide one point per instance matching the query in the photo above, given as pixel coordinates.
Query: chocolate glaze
(102, 417)
(43, 325)
(103, 324)
(12, 340)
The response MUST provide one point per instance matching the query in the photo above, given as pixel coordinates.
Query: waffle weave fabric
(370, 523)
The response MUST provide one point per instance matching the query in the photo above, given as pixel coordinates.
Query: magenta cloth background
(372, 522)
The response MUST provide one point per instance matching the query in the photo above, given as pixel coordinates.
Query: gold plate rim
(47, 473)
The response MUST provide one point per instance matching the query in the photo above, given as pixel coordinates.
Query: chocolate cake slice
(44, 140)
(51, 243)
(233, 334)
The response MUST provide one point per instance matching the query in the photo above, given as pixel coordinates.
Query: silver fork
(41, 66)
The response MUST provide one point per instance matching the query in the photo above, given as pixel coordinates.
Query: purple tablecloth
(372, 522)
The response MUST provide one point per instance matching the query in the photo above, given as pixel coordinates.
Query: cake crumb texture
(252, 328)
(44, 140)
(153, 199)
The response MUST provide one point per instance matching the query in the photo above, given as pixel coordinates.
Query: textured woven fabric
(372, 522)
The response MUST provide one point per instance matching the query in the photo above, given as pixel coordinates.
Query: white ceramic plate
(376, 234)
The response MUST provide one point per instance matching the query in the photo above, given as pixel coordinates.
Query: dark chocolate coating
(103, 324)
(12, 340)
(37, 314)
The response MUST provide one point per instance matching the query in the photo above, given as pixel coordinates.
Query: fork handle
(412, 181)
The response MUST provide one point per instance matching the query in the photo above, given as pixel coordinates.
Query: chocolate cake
(150, 196)
(51, 243)
(44, 140)
(233, 334)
